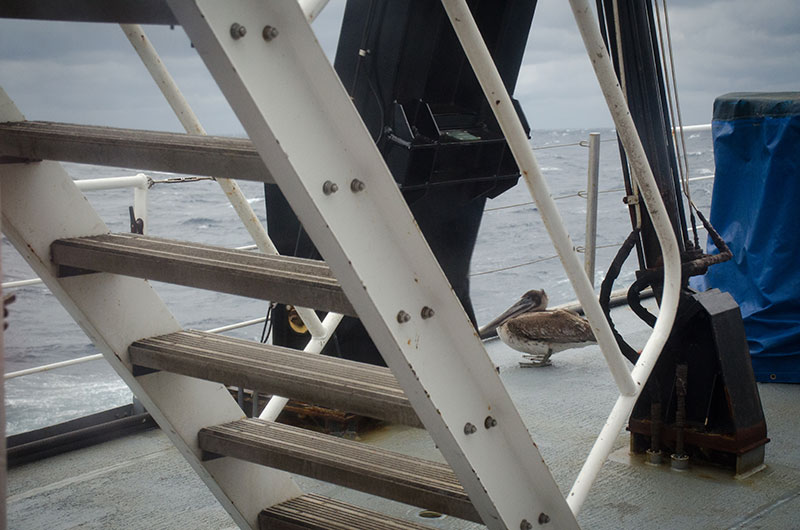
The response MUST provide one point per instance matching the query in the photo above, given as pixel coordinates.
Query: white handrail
(630, 384)
(640, 168)
(705, 127)
(471, 40)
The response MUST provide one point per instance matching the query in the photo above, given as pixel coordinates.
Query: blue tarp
(756, 210)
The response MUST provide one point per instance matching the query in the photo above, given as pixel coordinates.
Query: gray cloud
(88, 73)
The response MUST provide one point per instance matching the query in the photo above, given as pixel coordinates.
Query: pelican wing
(551, 326)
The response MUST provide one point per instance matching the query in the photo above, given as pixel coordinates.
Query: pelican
(529, 327)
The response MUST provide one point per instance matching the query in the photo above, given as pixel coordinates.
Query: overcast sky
(88, 73)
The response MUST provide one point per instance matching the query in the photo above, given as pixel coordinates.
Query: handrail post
(140, 203)
(591, 205)
(640, 168)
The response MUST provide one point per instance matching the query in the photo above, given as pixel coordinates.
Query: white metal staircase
(311, 142)
(305, 128)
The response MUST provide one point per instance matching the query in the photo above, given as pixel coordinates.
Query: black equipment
(402, 64)
(701, 399)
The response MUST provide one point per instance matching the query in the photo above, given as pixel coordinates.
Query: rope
(582, 194)
(182, 180)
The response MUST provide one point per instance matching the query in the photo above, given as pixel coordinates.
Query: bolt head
(469, 428)
(238, 31)
(357, 185)
(489, 422)
(329, 187)
(544, 518)
(427, 312)
(269, 33)
(525, 525)
(403, 317)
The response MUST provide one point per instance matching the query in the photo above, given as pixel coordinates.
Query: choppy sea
(513, 254)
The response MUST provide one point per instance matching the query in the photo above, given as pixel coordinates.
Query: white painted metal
(22, 283)
(53, 366)
(706, 127)
(497, 95)
(593, 175)
(640, 168)
(312, 8)
(304, 126)
(140, 180)
(140, 184)
(192, 124)
(237, 325)
(276, 403)
(40, 203)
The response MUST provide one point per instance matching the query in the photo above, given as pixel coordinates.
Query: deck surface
(141, 482)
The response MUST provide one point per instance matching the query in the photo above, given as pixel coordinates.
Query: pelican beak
(523, 305)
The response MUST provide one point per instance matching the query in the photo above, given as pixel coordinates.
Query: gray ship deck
(142, 482)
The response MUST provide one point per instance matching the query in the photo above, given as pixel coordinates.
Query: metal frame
(302, 122)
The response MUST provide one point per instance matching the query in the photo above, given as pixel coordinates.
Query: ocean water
(512, 238)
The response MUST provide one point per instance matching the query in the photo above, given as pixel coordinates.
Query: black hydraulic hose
(607, 286)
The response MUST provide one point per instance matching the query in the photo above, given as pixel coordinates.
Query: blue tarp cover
(756, 210)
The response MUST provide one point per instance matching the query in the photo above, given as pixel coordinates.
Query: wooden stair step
(213, 156)
(282, 279)
(328, 381)
(362, 467)
(315, 512)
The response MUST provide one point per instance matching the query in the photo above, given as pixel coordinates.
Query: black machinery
(701, 400)
(402, 64)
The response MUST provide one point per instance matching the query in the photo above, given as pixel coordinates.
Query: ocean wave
(200, 221)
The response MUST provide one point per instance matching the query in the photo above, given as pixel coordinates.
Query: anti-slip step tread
(213, 156)
(328, 381)
(289, 280)
(359, 466)
(315, 512)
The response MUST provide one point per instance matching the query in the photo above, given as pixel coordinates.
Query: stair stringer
(39, 204)
(301, 120)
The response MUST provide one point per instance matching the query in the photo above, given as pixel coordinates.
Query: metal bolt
(489, 422)
(403, 317)
(426, 312)
(544, 518)
(269, 33)
(525, 525)
(238, 31)
(329, 187)
(469, 428)
(357, 185)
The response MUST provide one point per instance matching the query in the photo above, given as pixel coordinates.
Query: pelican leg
(537, 360)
